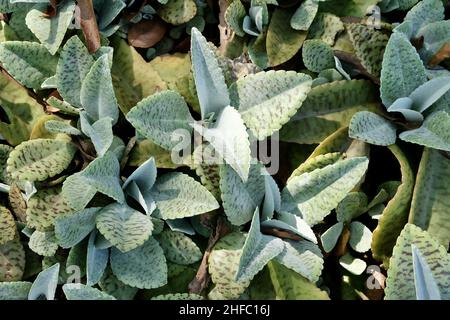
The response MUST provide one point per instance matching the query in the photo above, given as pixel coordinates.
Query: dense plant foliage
(231, 149)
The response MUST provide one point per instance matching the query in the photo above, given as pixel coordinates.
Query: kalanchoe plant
(190, 149)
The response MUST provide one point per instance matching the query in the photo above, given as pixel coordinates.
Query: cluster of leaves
(128, 179)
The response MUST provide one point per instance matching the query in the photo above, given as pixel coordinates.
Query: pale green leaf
(304, 15)
(353, 265)
(78, 291)
(44, 287)
(179, 248)
(330, 237)
(360, 237)
(317, 55)
(178, 11)
(372, 128)
(14, 290)
(43, 243)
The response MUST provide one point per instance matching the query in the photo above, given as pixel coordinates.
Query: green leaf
(28, 62)
(289, 285)
(395, 215)
(45, 284)
(178, 196)
(144, 176)
(304, 15)
(112, 286)
(159, 116)
(209, 80)
(40, 159)
(43, 243)
(369, 46)
(12, 261)
(400, 279)
(179, 296)
(360, 237)
(44, 207)
(73, 67)
(258, 250)
(100, 132)
(179, 248)
(267, 100)
(435, 35)
(97, 93)
(229, 249)
(402, 70)
(78, 291)
(424, 13)
(123, 226)
(303, 257)
(318, 162)
(240, 199)
(56, 126)
(434, 132)
(7, 226)
(14, 290)
(96, 260)
(178, 11)
(101, 175)
(282, 42)
(329, 107)
(145, 149)
(431, 91)
(317, 55)
(144, 267)
(133, 78)
(325, 27)
(50, 30)
(229, 139)
(431, 198)
(353, 265)
(272, 198)
(295, 224)
(372, 128)
(234, 17)
(426, 286)
(351, 207)
(313, 195)
(72, 228)
(330, 237)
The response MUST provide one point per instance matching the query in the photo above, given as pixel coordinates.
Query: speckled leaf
(230, 140)
(40, 159)
(101, 175)
(304, 15)
(317, 55)
(123, 226)
(258, 250)
(317, 162)
(329, 107)
(400, 280)
(267, 100)
(100, 132)
(179, 296)
(44, 207)
(289, 285)
(177, 196)
(372, 128)
(240, 199)
(72, 228)
(402, 70)
(435, 36)
(12, 261)
(43, 243)
(73, 67)
(282, 41)
(395, 215)
(434, 132)
(325, 27)
(14, 290)
(178, 11)
(159, 116)
(229, 249)
(424, 13)
(112, 286)
(28, 62)
(50, 30)
(313, 195)
(7, 226)
(369, 46)
(97, 92)
(303, 257)
(351, 207)
(144, 267)
(57, 126)
(179, 248)
(431, 198)
(209, 80)
(234, 17)
(78, 291)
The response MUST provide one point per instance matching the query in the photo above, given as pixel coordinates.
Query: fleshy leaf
(330, 237)
(177, 196)
(426, 286)
(304, 15)
(372, 128)
(123, 226)
(96, 260)
(234, 16)
(7, 226)
(73, 228)
(240, 199)
(100, 132)
(14, 290)
(44, 287)
(43, 243)
(40, 159)
(267, 100)
(209, 80)
(159, 116)
(354, 265)
(179, 248)
(78, 291)
(360, 237)
(313, 195)
(178, 11)
(12, 261)
(317, 55)
(143, 267)
(28, 62)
